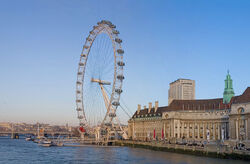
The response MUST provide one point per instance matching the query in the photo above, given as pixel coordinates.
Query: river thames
(21, 151)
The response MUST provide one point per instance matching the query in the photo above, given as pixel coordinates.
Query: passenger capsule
(118, 91)
(106, 22)
(120, 51)
(112, 26)
(81, 64)
(92, 32)
(108, 124)
(78, 101)
(78, 109)
(120, 77)
(118, 40)
(116, 103)
(116, 32)
(80, 117)
(86, 47)
(120, 63)
(89, 39)
(82, 124)
(112, 115)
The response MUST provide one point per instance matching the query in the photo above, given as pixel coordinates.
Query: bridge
(35, 132)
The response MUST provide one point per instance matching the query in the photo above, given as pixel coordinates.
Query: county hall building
(221, 119)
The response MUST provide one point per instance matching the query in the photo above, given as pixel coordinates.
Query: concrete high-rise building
(181, 89)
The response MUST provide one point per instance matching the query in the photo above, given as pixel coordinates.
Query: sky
(163, 40)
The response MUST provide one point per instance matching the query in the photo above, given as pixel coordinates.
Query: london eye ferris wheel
(99, 78)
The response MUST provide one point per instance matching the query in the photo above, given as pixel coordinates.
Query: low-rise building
(201, 120)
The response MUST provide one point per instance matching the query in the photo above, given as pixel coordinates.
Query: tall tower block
(181, 89)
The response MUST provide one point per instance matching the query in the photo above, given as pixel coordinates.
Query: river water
(21, 151)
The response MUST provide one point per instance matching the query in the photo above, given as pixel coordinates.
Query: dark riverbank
(207, 151)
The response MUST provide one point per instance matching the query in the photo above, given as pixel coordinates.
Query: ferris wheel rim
(108, 28)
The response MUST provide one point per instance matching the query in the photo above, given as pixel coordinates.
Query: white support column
(209, 129)
(198, 131)
(171, 129)
(193, 130)
(178, 130)
(181, 129)
(214, 131)
(184, 130)
(246, 132)
(218, 124)
(174, 130)
(237, 131)
(171, 135)
(203, 131)
(164, 129)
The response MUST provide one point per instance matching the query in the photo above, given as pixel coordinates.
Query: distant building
(181, 89)
(5, 125)
(224, 119)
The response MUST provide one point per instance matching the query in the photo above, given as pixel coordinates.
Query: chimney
(138, 108)
(156, 105)
(149, 107)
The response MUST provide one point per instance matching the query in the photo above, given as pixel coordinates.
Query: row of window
(147, 115)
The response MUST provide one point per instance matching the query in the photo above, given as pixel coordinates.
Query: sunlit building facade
(222, 119)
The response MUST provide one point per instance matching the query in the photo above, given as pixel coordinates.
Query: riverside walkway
(210, 150)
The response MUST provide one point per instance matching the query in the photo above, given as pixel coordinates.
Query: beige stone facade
(181, 124)
(201, 120)
(239, 120)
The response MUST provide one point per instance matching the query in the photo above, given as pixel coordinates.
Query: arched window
(241, 110)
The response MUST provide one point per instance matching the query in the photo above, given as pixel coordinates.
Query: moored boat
(29, 139)
(46, 143)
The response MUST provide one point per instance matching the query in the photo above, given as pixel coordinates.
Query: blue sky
(40, 44)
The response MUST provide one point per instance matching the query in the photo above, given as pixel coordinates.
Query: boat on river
(29, 139)
(46, 143)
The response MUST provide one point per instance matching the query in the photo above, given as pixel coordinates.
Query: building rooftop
(200, 104)
(180, 79)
